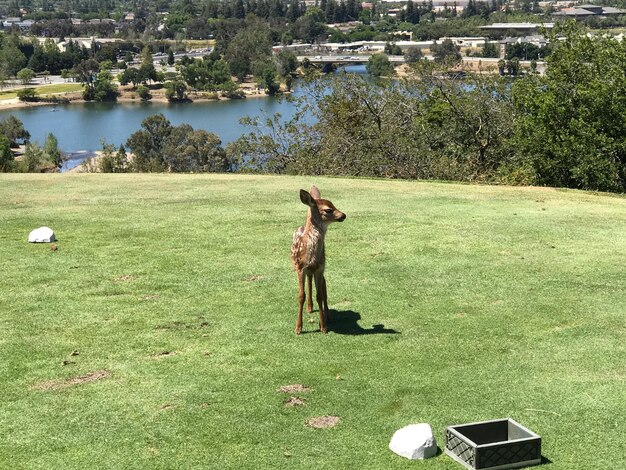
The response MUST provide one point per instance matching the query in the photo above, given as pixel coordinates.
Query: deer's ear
(306, 198)
(315, 193)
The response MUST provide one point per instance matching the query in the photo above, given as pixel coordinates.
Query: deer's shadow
(345, 322)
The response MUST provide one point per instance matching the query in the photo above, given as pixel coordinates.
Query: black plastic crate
(493, 445)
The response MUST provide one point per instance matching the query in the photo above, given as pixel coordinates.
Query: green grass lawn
(452, 304)
(45, 90)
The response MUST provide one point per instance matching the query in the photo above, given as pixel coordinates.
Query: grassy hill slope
(158, 333)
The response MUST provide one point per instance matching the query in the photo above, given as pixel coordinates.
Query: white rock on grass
(41, 235)
(415, 441)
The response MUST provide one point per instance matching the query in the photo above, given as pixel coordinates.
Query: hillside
(159, 331)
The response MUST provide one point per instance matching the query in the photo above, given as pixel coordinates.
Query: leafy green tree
(25, 76)
(159, 146)
(12, 59)
(144, 93)
(286, 63)
(501, 66)
(446, 53)
(413, 54)
(572, 120)
(111, 161)
(130, 75)
(7, 162)
(176, 90)
(51, 150)
(148, 143)
(379, 65)
(490, 49)
(13, 129)
(35, 160)
(101, 89)
(250, 44)
(512, 66)
(27, 94)
(265, 74)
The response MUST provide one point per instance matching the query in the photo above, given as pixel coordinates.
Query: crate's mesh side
(463, 450)
(508, 454)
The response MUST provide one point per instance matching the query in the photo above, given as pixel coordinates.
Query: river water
(81, 128)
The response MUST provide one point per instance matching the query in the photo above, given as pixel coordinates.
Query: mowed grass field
(159, 332)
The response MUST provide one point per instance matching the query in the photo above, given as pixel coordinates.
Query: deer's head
(323, 207)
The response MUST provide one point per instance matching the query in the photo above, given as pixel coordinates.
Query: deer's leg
(309, 288)
(319, 291)
(325, 296)
(300, 302)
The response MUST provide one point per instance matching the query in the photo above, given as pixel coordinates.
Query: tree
(265, 74)
(27, 94)
(144, 93)
(101, 89)
(25, 76)
(176, 90)
(573, 119)
(286, 62)
(12, 59)
(379, 65)
(159, 146)
(249, 45)
(6, 155)
(51, 150)
(148, 143)
(13, 129)
(413, 54)
(446, 53)
(490, 50)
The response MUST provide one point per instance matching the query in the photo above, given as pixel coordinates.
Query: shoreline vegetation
(248, 89)
(128, 94)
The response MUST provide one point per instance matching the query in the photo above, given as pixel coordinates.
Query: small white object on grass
(42, 235)
(415, 441)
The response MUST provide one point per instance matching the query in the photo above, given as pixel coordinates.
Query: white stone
(415, 441)
(42, 235)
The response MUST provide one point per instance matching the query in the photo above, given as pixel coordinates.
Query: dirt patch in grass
(293, 388)
(254, 278)
(167, 406)
(294, 401)
(71, 382)
(181, 325)
(125, 278)
(322, 422)
(164, 354)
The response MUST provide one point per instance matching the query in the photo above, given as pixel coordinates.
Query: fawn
(307, 253)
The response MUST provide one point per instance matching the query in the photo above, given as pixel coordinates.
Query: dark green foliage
(490, 49)
(446, 53)
(144, 93)
(159, 147)
(379, 66)
(250, 44)
(430, 128)
(176, 90)
(13, 129)
(51, 150)
(100, 88)
(572, 121)
(27, 94)
(6, 155)
(413, 54)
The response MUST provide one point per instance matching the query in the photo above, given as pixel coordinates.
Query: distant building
(528, 27)
(586, 11)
